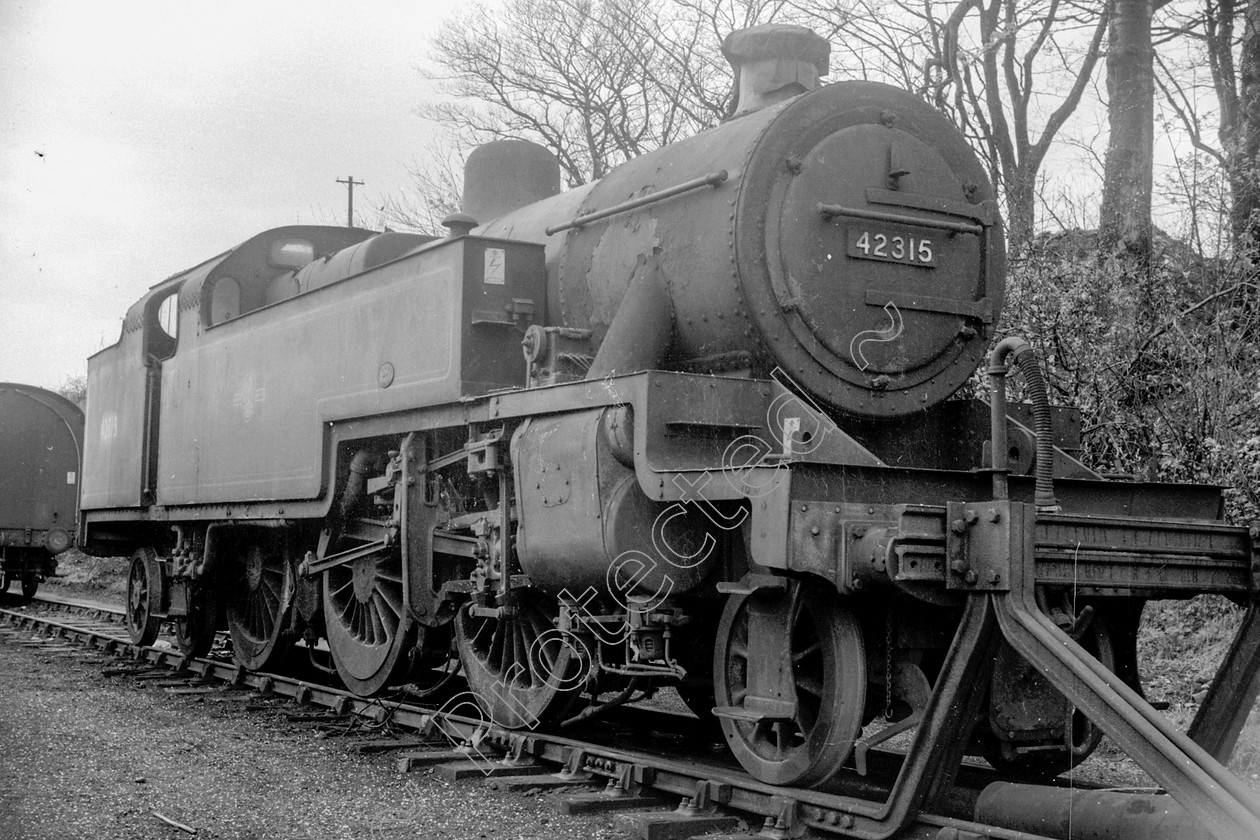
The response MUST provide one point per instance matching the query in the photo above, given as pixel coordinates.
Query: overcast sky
(140, 138)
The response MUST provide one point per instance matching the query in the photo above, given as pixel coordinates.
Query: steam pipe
(356, 482)
(1022, 353)
(642, 330)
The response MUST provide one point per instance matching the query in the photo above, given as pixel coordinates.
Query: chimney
(459, 224)
(773, 62)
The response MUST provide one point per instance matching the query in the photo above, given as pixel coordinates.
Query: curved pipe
(1025, 358)
(591, 711)
(356, 482)
(210, 554)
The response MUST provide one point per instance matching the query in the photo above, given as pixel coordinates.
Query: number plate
(897, 246)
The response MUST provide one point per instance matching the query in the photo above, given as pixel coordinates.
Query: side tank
(847, 235)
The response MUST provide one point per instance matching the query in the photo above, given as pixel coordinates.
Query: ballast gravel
(83, 755)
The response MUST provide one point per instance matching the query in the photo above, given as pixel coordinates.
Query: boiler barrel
(853, 243)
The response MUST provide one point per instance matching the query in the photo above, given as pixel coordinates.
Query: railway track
(663, 793)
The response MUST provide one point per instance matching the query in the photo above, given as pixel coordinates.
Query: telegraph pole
(350, 182)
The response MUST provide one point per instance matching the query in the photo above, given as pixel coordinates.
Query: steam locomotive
(729, 459)
(41, 440)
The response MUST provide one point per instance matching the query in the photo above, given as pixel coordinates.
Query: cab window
(162, 325)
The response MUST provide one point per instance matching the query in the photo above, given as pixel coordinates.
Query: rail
(702, 787)
(710, 180)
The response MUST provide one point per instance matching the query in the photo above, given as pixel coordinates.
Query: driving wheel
(523, 672)
(366, 620)
(259, 580)
(806, 745)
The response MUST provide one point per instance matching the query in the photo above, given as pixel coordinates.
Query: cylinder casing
(585, 523)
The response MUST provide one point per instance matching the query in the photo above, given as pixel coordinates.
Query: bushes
(1164, 364)
(1180, 646)
(83, 573)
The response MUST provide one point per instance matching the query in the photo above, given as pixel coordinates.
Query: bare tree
(1210, 31)
(599, 83)
(595, 82)
(1002, 69)
(434, 192)
(887, 41)
(74, 388)
(991, 75)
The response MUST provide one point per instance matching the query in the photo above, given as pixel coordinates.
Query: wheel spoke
(801, 655)
(384, 574)
(780, 738)
(522, 674)
(338, 591)
(379, 634)
(386, 612)
(539, 658)
(495, 656)
(391, 600)
(794, 610)
(805, 718)
(266, 598)
(810, 685)
(266, 621)
(363, 617)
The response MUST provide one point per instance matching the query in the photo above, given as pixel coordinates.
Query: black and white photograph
(641, 420)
